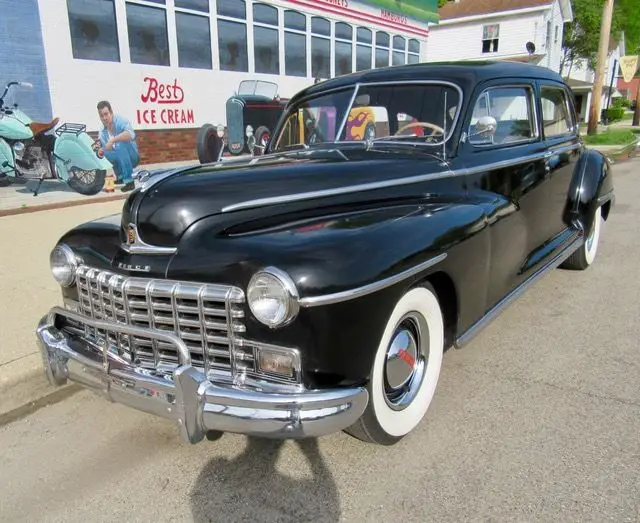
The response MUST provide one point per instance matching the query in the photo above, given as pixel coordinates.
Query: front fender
(6, 158)
(338, 254)
(73, 150)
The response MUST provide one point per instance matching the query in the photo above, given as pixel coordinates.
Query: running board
(499, 307)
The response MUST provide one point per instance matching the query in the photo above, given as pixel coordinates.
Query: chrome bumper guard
(189, 397)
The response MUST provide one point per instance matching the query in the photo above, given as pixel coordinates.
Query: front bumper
(189, 398)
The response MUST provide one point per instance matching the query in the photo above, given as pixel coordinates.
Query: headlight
(220, 131)
(249, 131)
(273, 297)
(63, 265)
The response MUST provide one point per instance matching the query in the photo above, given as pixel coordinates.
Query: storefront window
(399, 58)
(265, 14)
(320, 48)
(148, 42)
(94, 35)
(399, 43)
(414, 51)
(382, 49)
(344, 63)
(266, 47)
(344, 31)
(320, 57)
(295, 49)
(295, 43)
(364, 52)
(232, 43)
(192, 32)
(232, 8)
(194, 5)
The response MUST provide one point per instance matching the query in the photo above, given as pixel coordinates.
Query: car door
(506, 174)
(563, 150)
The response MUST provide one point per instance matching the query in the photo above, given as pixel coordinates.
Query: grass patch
(611, 137)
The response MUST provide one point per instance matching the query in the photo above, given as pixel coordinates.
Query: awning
(579, 86)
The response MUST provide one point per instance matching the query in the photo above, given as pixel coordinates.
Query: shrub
(614, 114)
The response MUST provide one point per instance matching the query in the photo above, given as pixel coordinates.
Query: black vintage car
(253, 112)
(316, 288)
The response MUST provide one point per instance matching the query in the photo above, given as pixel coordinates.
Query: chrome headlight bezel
(289, 295)
(70, 262)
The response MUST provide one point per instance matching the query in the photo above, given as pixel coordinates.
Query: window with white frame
(232, 35)
(94, 33)
(266, 40)
(295, 43)
(382, 49)
(193, 33)
(399, 50)
(490, 38)
(147, 27)
(364, 49)
(320, 47)
(414, 51)
(343, 48)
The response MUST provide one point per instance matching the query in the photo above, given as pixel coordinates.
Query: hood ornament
(134, 245)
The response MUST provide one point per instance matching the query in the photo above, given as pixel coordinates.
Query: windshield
(400, 112)
(268, 89)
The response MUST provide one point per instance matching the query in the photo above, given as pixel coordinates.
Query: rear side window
(556, 119)
(513, 111)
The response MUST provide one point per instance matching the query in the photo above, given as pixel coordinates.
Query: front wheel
(405, 370)
(87, 183)
(586, 254)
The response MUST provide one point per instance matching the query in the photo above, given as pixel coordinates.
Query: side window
(513, 111)
(556, 119)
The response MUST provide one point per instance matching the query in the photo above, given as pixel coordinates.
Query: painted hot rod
(316, 288)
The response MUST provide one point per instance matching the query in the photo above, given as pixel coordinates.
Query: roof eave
(496, 14)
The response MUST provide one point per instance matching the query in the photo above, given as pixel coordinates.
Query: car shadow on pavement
(47, 186)
(251, 488)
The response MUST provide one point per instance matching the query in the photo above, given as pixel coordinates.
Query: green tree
(580, 36)
(442, 2)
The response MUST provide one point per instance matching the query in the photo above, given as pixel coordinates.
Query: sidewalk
(19, 199)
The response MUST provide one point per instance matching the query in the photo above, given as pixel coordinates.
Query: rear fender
(6, 158)
(76, 151)
(591, 188)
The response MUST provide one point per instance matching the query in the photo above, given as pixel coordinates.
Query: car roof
(466, 74)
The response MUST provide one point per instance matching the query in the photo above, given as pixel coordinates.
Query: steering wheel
(428, 125)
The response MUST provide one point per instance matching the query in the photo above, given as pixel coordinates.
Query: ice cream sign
(163, 103)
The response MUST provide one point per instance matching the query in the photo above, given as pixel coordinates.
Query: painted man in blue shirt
(118, 141)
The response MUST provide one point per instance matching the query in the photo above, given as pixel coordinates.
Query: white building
(501, 30)
(170, 65)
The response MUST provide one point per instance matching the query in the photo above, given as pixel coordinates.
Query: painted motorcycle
(29, 151)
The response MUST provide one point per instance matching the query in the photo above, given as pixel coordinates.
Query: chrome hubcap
(405, 362)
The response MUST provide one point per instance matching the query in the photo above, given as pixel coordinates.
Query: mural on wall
(419, 10)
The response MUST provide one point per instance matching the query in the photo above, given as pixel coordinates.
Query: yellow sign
(629, 66)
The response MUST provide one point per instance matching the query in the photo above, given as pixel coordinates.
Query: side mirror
(486, 126)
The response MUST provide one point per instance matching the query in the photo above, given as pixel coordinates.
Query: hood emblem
(134, 268)
(131, 234)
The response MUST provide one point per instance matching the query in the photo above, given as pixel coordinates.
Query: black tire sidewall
(208, 144)
(88, 189)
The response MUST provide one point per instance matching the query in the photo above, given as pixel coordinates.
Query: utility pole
(605, 31)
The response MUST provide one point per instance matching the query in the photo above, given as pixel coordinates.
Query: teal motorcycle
(29, 151)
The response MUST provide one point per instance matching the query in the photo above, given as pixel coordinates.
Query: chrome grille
(235, 124)
(206, 317)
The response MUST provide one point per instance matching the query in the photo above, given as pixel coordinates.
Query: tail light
(99, 153)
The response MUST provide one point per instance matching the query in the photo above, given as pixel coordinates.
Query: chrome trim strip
(328, 299)
(483, 322)
(274, 200)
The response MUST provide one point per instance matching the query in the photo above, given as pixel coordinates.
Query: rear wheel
(586, 254)
(87, 182)
(405, 370)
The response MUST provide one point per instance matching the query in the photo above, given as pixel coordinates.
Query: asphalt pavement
(538, 419)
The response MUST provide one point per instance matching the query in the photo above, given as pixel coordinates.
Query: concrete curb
(61, 205)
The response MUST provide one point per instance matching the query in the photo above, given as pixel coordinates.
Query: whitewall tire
(586, 254)
(405, 369)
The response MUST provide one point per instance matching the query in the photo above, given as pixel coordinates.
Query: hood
(168, 204)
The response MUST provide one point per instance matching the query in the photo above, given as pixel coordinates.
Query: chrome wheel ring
(405, 361)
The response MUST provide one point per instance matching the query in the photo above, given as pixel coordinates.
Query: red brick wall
(165, 145)
(632, 86)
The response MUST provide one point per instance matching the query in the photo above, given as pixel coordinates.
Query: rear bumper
(189, 398)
